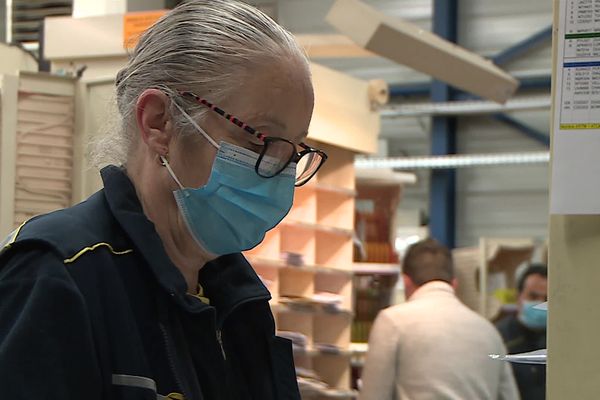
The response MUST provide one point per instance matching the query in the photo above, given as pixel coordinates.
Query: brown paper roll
(379, 93)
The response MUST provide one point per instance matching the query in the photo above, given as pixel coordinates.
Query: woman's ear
(154, 120)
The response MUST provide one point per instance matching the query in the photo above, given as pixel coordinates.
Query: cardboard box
(408, 44)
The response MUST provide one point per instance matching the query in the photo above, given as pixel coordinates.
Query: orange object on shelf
(374, 222)
(136, 23)
(380, 252)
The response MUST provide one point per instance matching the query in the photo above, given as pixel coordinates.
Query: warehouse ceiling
(485, 27)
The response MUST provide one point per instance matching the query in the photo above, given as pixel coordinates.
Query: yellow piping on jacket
(12, 237)
(94, 247)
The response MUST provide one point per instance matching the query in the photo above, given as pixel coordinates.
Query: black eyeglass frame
(294, 157)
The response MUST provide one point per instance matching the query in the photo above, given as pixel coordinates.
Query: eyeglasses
(277, 153)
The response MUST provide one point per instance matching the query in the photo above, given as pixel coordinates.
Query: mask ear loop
(166, 164)
(195, 125)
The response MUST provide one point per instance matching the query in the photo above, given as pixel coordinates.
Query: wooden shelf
(297, 283)
(295, 322)
(328, 188)
(258, 261)
(333, 251)
(270, 245)
(305, 206)
(340, 394)
(270, 278)
(338, 284)
(308, 308)
(359, 348)
(320, 230)
(332, 230)
(333, 329)
(295, 239)
(331, 394)
(335, 210)
(376, 268)
(334, 371)
(320, 269)
(338, 171)
(313, 351)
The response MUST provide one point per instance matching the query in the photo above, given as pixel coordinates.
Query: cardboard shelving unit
(319, 231)
(494, 260)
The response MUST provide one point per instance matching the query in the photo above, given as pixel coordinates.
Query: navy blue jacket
(531, 378)
(91, 307)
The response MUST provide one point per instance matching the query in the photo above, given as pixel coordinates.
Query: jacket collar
(227, 281)
(431, 289)
(230, 281)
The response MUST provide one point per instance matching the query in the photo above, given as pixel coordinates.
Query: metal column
(442, 196)
(3, 21)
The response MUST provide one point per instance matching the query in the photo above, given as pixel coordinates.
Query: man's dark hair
(533, 269)
(428, 260)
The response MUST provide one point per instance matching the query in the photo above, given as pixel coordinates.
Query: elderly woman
(141, 292)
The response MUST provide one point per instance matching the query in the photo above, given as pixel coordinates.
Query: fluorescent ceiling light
(453, 161)
(467, 107)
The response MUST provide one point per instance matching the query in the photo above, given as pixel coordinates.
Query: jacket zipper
(219, 334)
(220, 340)
(171, 359)
(220, 329)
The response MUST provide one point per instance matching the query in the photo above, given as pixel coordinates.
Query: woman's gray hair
(204, 46)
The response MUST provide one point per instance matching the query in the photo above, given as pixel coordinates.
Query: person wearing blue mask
(526, 331)
(141, 291)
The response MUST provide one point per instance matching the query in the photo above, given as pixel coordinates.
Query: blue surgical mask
(532, 317)
(236, 207)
